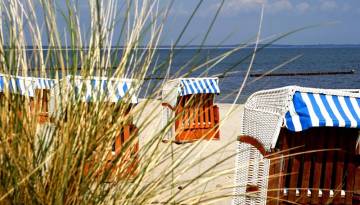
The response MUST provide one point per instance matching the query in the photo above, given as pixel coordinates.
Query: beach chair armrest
(168, 106)
(255, 143)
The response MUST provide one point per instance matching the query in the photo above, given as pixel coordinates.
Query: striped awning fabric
(16, 84)
(24, 85)
(190, 86)
(322, 110)
(43, 83)
(101, 89)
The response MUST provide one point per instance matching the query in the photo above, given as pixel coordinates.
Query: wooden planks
(197, 118)
(329, 173)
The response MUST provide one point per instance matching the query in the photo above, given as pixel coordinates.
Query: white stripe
(295, 117)
(347, 112)
(205, 86)
(111, 95)
(313, 116)
(23, 89)
(355, 106)
(187, 90)
(89, 91)
(210, 86)
(121, 89)
(328, 120)
(335, 110)
(216, 85)
(193, 86)
(199, 87)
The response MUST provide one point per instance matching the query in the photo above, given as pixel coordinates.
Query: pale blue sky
(239, 19)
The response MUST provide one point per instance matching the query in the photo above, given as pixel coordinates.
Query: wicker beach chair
(299, 145)
(35, 89)
(190, 101)
(92, 90)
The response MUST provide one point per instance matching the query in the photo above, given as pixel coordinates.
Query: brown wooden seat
(122, 161)
(39, 105)
(317, 166)
(196, 118)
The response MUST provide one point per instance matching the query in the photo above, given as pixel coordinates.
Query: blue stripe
(289, 122)
(341, 111)
(302, 111)
(214, 85)
(198, 90)
(322, 121)
(18, 87)
(125, 89)
(208, 84)
(352, 110)
(329, 110)
(202, 87)
(1, 83)
(189, 87)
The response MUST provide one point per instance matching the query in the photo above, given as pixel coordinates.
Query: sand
(229, 130)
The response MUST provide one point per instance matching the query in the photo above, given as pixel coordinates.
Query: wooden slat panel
(207, 117)
(196, 117)
(294, 168)
(318, 143)
(339, 172)
(329, 155)
(202, 113)
(305, 181)
(285, 145)
(351, 166)
(274, 180)
(191, 117)
(357, 180)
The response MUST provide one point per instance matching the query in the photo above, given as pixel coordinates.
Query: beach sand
(229, 130)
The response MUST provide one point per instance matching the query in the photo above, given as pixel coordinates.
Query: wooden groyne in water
(303, 73)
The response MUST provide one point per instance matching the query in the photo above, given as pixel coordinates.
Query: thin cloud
(303, 7)
(328, 5)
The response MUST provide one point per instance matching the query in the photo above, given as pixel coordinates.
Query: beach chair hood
(188, 86)
(298, 109)
(24, 85)
(95, 89)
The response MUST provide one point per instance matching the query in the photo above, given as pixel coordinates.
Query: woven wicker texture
(263, 118)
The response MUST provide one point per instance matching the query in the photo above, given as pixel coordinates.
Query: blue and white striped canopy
(101, 88)
(24, 85)
(322, 110)
(43, 83)
(190, 86)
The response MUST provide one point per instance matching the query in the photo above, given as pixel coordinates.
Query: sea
(231, 66)
(275, 60)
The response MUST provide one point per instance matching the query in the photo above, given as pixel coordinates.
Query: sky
(238, 21)
(338, 21)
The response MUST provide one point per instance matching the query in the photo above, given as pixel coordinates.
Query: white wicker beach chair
(190, 102)
(281, 122)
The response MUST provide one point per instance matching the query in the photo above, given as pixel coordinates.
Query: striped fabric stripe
(97, 89)
(319, 110)
(190, 86)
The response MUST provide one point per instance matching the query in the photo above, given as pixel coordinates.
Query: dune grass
(63, 160)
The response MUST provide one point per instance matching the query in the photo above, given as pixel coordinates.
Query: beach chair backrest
(276, 160)
(300, 174)
(197, 118)
(191, 102)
